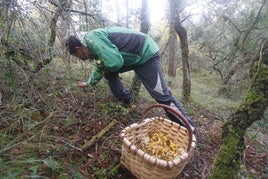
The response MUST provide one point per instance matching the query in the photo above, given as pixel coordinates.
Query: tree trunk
(186, 86)
(227, 162)
(145, 26)
(53, 25)
(172, 66)
(186, 83)
(224, 90)
(65, 23)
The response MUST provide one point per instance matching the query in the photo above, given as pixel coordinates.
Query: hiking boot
(127, 104)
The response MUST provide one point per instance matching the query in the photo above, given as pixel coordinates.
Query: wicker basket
(143, 165)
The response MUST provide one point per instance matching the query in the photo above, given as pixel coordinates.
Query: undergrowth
(45, 120)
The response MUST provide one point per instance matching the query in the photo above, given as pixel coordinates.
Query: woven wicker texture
(145, 166)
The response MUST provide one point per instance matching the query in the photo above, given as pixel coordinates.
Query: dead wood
(95, 138)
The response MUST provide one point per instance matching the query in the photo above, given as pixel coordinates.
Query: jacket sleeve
(96, 75)
(107, 52)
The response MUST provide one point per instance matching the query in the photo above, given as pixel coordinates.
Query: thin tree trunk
(227, 162)
(65, 23)
(186, 86)
(172, 65)
(145, 26)
(186, 83)
(53, 25)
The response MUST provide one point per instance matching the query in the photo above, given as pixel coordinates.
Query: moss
(227, 162)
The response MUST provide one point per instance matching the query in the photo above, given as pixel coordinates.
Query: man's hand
(82, 84)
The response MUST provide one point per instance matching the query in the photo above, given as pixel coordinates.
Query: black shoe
(128, 104)
(178, 121)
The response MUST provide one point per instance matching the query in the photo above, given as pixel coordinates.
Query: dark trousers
(151, 76)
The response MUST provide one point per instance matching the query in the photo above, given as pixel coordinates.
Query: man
(118, 50)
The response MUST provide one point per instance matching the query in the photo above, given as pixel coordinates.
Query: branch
(83, 13)
(254, 23)
(53, 25)
(66, 7)
(226, 18)
(95, 138)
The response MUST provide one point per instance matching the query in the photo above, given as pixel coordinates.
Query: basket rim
(151, 159)
(178, 114)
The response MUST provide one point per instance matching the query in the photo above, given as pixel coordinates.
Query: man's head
(77, 49)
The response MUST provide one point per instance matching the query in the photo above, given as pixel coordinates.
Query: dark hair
(71, 43)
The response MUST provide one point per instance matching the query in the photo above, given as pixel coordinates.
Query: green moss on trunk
(227, 157)
(227, 162)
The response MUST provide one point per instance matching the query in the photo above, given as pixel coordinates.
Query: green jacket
(117, 48)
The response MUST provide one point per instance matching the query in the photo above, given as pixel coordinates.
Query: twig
(116, 167)
(204, 169)
(19, 138)
(71, 145)
(98, 136)
(42, 131)
(258, 156)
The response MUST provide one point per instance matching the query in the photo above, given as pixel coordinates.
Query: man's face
(82, 53)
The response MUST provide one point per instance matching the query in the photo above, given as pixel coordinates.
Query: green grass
(204, 89)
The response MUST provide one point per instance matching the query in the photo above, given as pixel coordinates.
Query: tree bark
(53, 25)
(172, 66)
(227, 162)
(182, 33)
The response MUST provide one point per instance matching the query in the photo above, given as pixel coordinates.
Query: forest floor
(45, 124)
(56, 143)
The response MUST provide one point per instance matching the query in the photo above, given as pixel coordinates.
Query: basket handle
(179, 115)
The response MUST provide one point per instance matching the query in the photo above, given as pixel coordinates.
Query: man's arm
(94, 78)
